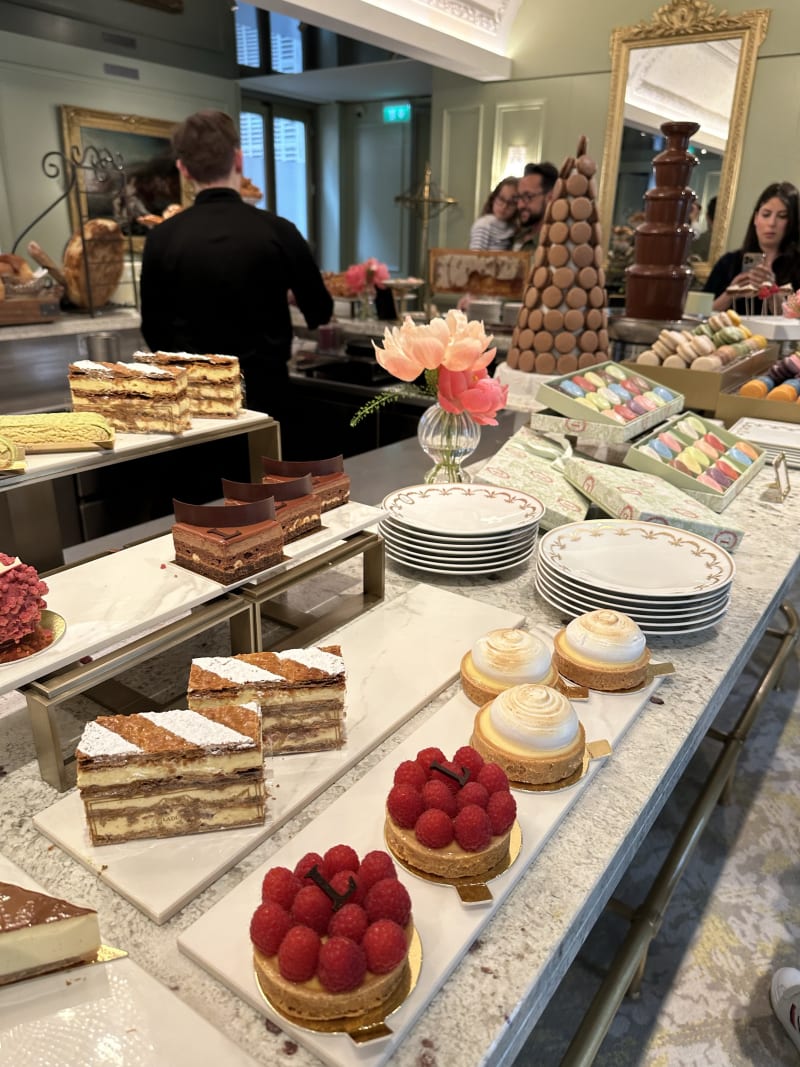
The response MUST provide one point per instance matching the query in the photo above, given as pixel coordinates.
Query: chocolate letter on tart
(227, 544)
(331, 484)
(297, 509)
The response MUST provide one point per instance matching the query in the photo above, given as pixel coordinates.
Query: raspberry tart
(450, 818)
(331, 937)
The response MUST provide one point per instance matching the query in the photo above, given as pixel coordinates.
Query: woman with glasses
(497, 223)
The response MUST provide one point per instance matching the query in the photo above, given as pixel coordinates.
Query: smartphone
(752, 259)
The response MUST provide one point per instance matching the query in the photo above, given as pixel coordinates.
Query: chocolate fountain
(658, 280)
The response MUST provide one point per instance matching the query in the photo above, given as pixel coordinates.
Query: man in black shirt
(215, 277)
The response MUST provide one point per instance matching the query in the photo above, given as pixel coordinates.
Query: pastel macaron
(671, 441)
(690, 461)
(747, 448)
(719, 477)
(739, 456)
(727, 468)
(707, 480)
(715, 442)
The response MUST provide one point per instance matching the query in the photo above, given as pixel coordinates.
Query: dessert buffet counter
(488, 999)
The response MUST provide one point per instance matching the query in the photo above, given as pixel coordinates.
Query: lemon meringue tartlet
(533, 733)
(603, 650)
(502, 659)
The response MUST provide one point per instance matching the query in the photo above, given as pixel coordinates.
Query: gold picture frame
(147, 180)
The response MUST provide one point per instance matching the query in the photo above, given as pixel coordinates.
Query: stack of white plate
(669, 581)
(460, 529)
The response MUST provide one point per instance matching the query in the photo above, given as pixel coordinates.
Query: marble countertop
(495, 995)
(75, 322)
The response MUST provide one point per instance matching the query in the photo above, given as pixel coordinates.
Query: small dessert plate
(370, 1025)
(594, 750)
(51, 622)
(472, 889)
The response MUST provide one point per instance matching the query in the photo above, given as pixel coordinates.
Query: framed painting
(142, 178)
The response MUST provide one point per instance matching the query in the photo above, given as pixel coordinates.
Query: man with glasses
(534, 192)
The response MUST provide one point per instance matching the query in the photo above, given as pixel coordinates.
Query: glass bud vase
(366, 304)
(449, 440)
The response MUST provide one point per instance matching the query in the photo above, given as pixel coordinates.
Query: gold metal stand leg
(628, 965)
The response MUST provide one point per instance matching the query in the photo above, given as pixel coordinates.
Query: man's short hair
(546, 171)
(205, 143)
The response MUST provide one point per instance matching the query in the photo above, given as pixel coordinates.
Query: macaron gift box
(606, 402)
(707, 462)
(526, 462)
(631, 494)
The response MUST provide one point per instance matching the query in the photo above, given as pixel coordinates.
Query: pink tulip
(472, 391)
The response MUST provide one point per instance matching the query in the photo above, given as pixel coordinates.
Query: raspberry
(470, 760)
(339, 858)
(404, 804)
(451, 783)
(493, 778)
(313, 908)
(268, 927)
(410, 773)
(349, 921)
(435, 794)
(384, 946)
(472, 828)
(298, 954)
(472, 793)
(342, 965)
(374, 866)
(341, 883)
(434, 828)
(281, 886)
(502, 810)
(304, 865)
(427, 756)
(388, 899)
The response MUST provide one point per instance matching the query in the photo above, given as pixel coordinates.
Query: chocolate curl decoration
(244, 491)
(462, 778)
(211, 516)
(297, 468)
(339, 899)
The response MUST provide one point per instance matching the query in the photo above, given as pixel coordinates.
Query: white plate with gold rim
(509, 537)
(462, 509)
(642, 558)
(433, 567)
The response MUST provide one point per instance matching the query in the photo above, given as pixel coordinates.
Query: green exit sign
(397, 112)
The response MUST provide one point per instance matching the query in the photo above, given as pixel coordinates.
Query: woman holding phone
(770, 252)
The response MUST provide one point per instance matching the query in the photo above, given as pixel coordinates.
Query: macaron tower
(602, 650)
(502, 659)
(533, 733)
(563, 325)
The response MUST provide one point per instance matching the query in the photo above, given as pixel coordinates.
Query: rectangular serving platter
(219, 941)
(398, 656)
(81, 1013)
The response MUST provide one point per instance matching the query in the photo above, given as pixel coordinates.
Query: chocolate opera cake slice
(330, 483)
(40, 933)
(300, 692)
(296, 508)
(227, 544)
(165, 773)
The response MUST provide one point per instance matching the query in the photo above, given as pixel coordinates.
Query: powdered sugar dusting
(235, 670)
(314, 657)
(98, 741)
(196, 728)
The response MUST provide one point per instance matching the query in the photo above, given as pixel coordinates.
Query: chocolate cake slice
(300, 692)
(165, 773)
(297, 509)
(227, 544)
(328, 479)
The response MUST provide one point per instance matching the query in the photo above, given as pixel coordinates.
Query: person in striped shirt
(496, 226)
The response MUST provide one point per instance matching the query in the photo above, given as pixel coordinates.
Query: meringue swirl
(534, 717)
(606, 636)
(512, 656)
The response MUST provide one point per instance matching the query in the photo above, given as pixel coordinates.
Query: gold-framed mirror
(688, 62)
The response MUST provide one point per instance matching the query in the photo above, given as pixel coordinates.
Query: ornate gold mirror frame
(685, 22)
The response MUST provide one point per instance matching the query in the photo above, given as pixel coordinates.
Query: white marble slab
(48, 465)
(220, 942)
(105, 601)
(83, 1012)
(398, 656)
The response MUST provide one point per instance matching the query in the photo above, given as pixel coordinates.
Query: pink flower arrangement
(366, 275)
(791, 306)
(453, 354)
